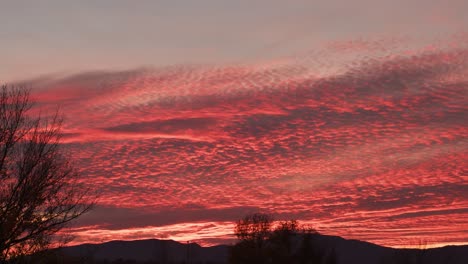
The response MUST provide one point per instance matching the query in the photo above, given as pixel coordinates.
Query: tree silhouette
(252, 231)
(284, 242)
(39, 188)
(261, 240)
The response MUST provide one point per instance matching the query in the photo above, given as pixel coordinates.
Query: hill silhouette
(169, 251)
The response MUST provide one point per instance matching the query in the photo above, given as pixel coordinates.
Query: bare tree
(252, 231)
(254, 227)
(263, 240)
(39, 188)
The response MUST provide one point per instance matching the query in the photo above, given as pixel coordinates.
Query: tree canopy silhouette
(39, 188)
(263, 240)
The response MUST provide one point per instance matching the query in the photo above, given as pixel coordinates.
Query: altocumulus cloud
(375, 150)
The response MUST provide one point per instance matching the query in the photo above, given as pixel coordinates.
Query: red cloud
(376, 153)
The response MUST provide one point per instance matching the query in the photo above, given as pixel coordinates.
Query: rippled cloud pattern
(372, 146)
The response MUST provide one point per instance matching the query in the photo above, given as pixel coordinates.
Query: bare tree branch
(39, 188)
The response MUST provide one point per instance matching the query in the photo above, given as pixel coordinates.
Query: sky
(187, 115)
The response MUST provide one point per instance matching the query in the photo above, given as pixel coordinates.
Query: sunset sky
(350, 116)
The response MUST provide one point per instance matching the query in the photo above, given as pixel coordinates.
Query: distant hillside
(361, 252)
(346, 252)
(153, 250)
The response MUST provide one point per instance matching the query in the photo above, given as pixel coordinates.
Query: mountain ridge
(347, 251)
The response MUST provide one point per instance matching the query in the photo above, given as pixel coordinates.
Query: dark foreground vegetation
(260, 240)
(263, 241)
(40, 190)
